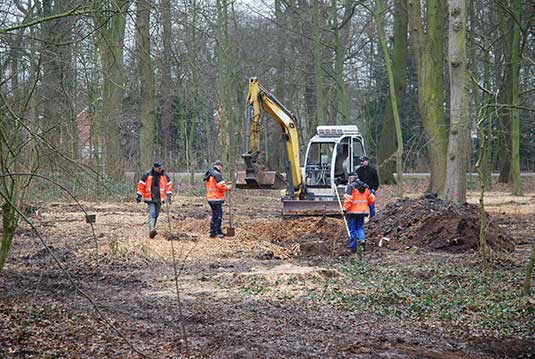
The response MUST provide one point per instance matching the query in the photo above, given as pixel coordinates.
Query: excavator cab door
(357, 150)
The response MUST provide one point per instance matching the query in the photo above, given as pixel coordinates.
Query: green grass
(456, 297)
(451, 296)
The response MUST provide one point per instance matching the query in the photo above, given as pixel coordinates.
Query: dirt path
(239, 300)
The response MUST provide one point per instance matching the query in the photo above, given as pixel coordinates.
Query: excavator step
(306, 207)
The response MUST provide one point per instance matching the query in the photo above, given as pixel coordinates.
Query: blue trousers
(217, 218)
(372, 207)
(356, 230)
(154, 212)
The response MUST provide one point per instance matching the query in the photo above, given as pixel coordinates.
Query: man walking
(357, 201)
(215, 194)
(368, 175)
(155, 187)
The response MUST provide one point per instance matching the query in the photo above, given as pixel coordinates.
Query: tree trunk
(515, 111)
(378, 15)
(10, 220)
(223, 79)
(341, 35)
(111, 45)
(95, 112)
(504, 151)
(529, 270)
(457, 161)
(483, 246)
(145, 74)
(193, 56)
(10, 187)
(318, 68)
(58, 112)
(387, 142)
(167, 87)
(428, 52)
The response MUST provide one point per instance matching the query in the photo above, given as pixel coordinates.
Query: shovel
(231, 231)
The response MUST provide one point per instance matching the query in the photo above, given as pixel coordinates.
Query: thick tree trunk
(10, 187)
(10, 219)
(428, 52)
(457, 161)
(58, 112)
(515, 111)
(387, 141)
(145, 74)
(111, 45)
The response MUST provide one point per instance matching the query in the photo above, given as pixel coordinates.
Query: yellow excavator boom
(259, 98)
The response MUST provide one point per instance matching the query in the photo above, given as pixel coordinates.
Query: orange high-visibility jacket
(144, 186)
(357, 202)
(215, 186)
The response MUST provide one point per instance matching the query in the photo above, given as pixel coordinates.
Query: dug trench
(278, 288)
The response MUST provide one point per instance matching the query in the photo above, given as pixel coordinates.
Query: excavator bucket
(255, 178)
(261, 179)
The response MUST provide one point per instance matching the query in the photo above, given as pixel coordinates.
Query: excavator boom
(255, 176)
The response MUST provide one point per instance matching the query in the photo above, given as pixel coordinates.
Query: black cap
(364, 158)
(352, 174)
(157, 164)
(218, 163)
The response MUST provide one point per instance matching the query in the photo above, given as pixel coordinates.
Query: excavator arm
(259, 98)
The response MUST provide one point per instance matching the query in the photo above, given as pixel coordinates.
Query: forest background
(93, 90)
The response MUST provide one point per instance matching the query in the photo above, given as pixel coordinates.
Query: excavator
(331, 154)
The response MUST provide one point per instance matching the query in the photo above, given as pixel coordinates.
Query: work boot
(152, 234)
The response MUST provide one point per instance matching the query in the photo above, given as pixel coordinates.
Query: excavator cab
(331, 155)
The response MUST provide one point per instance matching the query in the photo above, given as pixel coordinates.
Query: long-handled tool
(342, 211)
(231, 231)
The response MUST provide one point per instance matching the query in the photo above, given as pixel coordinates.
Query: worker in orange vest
(215, 194)
(357, 201)
(155, 187)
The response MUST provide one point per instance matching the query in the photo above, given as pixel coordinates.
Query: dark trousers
(217, 218)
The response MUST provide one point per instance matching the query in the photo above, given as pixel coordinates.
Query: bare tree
(459, 136)
(387, 142)
(428, 46)
(110, 23)
(145, 73)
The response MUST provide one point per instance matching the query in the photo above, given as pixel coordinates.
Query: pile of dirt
(428, 223)
(432, 223)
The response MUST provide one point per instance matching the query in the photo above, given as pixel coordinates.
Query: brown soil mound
(427, 222)
(431, 223)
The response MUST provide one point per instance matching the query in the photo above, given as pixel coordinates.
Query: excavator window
(342, 162)
(318, 166)
(358, 150)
